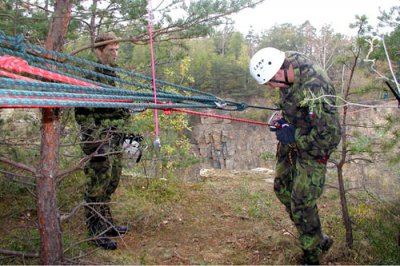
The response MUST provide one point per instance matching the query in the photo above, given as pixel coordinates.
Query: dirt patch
(231, 217)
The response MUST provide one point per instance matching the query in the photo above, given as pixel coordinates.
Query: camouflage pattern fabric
(300, 175)
(316, 120)
(99, 134)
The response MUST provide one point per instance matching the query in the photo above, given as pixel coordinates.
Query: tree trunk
(92, 25)
(342, 190)
(51, 245)
(345, 211)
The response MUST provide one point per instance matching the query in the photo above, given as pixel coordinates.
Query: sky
(338, 13)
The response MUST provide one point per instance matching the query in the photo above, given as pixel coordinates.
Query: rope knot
(19, 43)
(241, 107)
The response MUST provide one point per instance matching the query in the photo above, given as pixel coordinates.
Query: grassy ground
(228, 217)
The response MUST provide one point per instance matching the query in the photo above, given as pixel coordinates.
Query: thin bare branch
(65, 217)
(19, 254)
(11, 176)
(18, 165)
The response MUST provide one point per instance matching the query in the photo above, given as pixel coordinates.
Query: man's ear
(99, 54)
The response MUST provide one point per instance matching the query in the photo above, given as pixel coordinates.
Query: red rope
(216, 116)
(67, 99)
(19, 65)
(15, 76)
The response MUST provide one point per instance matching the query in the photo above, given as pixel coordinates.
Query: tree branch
(18, 254)
(10, 176)
(18, 165)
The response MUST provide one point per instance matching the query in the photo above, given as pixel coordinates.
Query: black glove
(277, 124)
(285, 134)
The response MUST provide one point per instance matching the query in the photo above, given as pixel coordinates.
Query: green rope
(16, 46)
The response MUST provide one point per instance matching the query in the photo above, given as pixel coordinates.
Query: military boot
(325, 243)
(311, 257)
(113, 230)
(105, 243)
(96, 227)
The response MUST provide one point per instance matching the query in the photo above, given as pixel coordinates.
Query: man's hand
(273, 120)
(277, 124)
(285, 134)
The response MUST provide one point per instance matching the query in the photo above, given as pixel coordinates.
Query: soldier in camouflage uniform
(308, 132)
(101, 139)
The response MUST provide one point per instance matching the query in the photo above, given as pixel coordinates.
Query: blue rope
(29, 86)
(48, 103)
(33, 55)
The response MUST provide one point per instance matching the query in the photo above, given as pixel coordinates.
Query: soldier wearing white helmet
(266, 63)
(307, 132)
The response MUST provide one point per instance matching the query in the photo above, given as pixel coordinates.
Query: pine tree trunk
(51, 247)
(51, 244)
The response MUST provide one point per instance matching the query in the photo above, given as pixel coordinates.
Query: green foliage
(360, 144)
(370, 91)
(20, 138)
(255, 204)
(285, 37)
(217, 63)
(157, 191)
(268, 156)
(390, 138)
(147, 201)
(224, 74)
(380, 229)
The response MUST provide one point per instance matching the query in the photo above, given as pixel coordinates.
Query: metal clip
(220, 104)
(136, 110)
(272, 120)
(157, 145)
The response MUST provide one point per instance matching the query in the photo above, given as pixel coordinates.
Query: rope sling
(33, 77)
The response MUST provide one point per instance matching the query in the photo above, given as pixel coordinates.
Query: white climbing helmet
(265, 64)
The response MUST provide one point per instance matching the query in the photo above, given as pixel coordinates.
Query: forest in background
(202, 51)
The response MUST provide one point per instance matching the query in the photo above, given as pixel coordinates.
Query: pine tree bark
(51, 244)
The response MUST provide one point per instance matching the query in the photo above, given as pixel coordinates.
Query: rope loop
(19, 43)
(36, 70)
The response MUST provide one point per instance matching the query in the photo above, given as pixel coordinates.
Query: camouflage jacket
(96, 117)
(316, 120)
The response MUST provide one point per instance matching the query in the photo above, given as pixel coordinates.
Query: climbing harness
(293, 151)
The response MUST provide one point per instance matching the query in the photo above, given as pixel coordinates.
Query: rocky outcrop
(226, 144)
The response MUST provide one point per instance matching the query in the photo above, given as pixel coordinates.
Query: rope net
(33, 77)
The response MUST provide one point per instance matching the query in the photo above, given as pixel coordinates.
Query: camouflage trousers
(103, 174)
(103, 171)
(298, 184)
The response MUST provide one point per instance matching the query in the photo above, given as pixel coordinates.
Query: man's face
(280, 75)
(109, 54)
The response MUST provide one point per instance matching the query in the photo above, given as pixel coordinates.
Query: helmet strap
(284, 67)
(286, 82)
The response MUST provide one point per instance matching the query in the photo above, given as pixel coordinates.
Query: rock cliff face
(225, 144)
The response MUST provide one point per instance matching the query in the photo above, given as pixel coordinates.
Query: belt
(323, 160)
